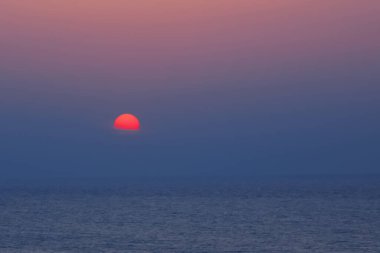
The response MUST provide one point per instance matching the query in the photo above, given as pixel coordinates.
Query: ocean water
(295, 215)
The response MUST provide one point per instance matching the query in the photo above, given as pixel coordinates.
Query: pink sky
(171, 40)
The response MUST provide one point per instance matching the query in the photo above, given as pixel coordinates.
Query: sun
(127, 122)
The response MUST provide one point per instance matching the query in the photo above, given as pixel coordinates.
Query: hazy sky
(223, 87)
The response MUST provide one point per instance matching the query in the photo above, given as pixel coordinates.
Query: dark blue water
(282, 215)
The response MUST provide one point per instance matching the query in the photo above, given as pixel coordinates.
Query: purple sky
(239, 87)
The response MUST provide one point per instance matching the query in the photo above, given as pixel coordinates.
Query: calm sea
(270, 215)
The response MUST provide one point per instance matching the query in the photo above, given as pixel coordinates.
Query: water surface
(297, 215)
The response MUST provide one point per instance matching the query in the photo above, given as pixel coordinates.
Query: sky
(232, 88)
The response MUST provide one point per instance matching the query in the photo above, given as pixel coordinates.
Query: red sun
(127, 122)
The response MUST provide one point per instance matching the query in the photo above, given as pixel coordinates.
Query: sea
(282, 214)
